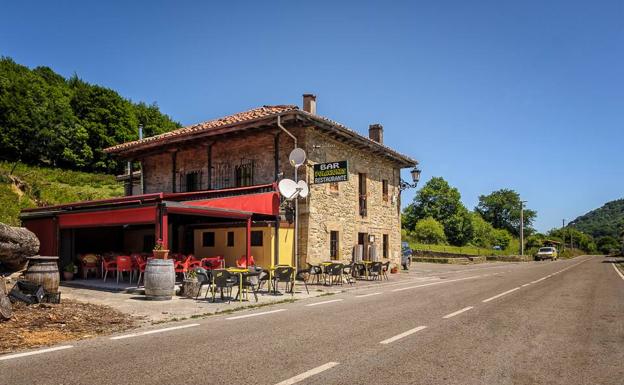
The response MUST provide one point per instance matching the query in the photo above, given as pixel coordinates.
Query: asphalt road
(533, 323)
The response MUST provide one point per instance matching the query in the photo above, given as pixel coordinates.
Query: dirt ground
(47, 324)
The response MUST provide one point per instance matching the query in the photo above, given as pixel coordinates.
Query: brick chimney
(375, 132)
(309, 103)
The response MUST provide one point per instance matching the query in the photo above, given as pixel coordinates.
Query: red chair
(140, 264)
(124, 264)
(183, 267)
(194, 262)
(242, 261)
(211, 263)
(108, 265)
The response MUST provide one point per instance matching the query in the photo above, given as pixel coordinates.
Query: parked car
(406, 255)
(546, 253)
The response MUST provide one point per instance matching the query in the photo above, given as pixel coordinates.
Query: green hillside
(48, 120)
(32, 186)
(607, 220)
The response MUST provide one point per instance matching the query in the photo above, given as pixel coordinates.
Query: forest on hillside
(606, 221)
(48, 120)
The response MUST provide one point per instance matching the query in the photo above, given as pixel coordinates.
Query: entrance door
(363, 240)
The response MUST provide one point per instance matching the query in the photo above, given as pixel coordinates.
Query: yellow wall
(263, 255)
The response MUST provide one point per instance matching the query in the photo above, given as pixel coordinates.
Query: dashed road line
(458, 312)
(255, 314)
(324, 302)
(367, 295)
(153, 331)
(35, 352)
(309, 373)
(501, 294)
(436, 283)
(402, 335)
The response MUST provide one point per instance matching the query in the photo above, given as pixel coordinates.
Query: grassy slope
(512, 249)
(30, 186)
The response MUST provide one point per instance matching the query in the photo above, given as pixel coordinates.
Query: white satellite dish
(297, 157)
(288, 188)
(304, 190)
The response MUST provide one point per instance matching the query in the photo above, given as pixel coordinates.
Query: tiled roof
(256, 113)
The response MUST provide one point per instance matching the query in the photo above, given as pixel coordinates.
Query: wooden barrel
(44, 271)
(159, 279)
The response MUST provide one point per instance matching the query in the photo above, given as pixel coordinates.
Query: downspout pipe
(296, 240)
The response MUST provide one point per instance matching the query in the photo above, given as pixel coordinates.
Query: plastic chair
(184, 266)
(211, 263)
(334, 273)
(223, 279)
(347, 273)
(110, 265)
(283, 274)
(242, 261)
(204, 277)
(384, 270)
(375, 271)
(124, 264)
(140, 264)
(88, 264)
(315, 272)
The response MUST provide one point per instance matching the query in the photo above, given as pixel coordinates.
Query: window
(384, 190)
(256, 238)
(230, 239)
(384, 246)
(244, 173)
(362, 193)
(208, 239)
(333, 244)
(191, 181)
(333, 187)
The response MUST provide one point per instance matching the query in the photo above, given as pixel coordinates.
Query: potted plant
(159, 250)
(394, 269)
(190, 285)
(69, 270)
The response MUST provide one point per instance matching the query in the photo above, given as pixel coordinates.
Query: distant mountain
(605, 221)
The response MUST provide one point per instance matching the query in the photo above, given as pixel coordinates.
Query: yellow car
(546, 253)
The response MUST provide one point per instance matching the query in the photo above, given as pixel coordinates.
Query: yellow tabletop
(237, 270)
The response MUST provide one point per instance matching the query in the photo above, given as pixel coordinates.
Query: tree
(502, 210)
(501, 238)
(429, 231)
(608, 245)
(436, 199)
(482, 232)
(572, 237)
(458, 228)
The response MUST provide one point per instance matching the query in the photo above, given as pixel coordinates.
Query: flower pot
(68, 275)
(394, 270)
(190, 287)
(161, 254)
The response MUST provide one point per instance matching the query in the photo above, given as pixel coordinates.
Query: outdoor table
(367, 265)
(240, 272)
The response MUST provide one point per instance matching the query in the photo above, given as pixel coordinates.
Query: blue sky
(527, 95)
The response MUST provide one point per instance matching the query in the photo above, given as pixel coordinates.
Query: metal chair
(315, 272)
(384, 270)
(334, 273)
(347, 273)
(204, 277)
(374, 272)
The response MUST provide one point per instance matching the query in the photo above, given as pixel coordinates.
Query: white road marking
(618, 271)
(367, 295)
(526, 284)
(436, 283)
(402, 335)
(309, 373)
(539, 280)
(255, 314)
(502, 294)
(458, 312)
(324, 302)
(18, 355)
(153, 331)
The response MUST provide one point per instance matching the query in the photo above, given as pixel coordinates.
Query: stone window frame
(329, 227)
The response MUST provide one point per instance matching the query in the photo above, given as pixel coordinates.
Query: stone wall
(328, 210)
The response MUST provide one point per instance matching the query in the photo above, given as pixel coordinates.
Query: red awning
(261, 203)
(214, 212)
(126, 216)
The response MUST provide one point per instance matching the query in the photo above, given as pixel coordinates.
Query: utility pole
(563, 232)
(522, 227)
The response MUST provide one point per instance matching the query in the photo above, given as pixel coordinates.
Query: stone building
(249, 148)
(243, 156)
